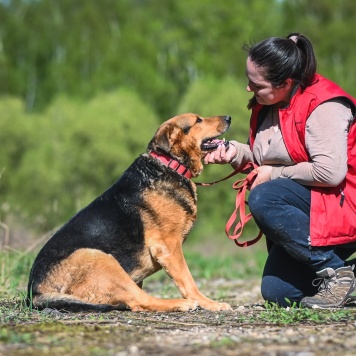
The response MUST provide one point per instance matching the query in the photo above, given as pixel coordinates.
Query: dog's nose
(227, 119)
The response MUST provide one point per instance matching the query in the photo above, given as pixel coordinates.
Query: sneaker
(336, 288)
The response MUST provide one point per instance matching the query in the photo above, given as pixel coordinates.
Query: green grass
(294, 315)
(15, 268)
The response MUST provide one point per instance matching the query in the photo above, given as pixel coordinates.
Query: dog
(98, 260)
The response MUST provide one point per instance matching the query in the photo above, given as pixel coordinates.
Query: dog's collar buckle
(173, 164)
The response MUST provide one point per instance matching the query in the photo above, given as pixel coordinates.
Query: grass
(294, 315)
(15, 267)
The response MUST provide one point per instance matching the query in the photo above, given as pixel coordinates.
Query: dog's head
(188, 138)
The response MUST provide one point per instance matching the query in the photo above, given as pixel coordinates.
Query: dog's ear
(164, 138)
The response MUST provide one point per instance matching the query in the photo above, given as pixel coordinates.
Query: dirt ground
(236, 332)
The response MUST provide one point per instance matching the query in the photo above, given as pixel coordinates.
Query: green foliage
(327, 23)
(171, 56)
(11, 337)
(15, 268)
(154, 47)
(15, 138)
(293, 314)
(225, 96)
(71, 153)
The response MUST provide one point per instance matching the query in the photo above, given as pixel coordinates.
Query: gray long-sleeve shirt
(326, 135)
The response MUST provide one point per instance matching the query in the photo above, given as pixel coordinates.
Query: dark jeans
(281, 209)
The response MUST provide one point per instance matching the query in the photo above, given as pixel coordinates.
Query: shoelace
(324, 285)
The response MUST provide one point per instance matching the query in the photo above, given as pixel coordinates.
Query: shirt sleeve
(326, 142)
(243, 155)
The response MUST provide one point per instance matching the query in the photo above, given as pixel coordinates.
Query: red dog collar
(172, 163)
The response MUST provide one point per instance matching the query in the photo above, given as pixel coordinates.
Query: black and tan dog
(98, 259)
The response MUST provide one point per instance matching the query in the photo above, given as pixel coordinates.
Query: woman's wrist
(276, 172)
(234, 158)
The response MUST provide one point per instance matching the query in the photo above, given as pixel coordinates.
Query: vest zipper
(343, 198)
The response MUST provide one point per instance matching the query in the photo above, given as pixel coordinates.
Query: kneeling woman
(302, 137)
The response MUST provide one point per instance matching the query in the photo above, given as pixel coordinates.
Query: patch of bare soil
(236, 332)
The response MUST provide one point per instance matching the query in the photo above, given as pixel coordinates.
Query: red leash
(241, 186)
(217, 181)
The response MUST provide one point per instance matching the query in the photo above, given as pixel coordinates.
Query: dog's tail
(69, 303)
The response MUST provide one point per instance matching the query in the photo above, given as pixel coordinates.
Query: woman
(302, 137)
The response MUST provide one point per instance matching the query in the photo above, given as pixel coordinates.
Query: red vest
(333, 209)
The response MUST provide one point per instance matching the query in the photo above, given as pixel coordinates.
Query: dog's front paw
(225, 306)
(188, 305)
(215, 306)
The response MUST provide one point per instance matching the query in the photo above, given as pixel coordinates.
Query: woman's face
(264, 91)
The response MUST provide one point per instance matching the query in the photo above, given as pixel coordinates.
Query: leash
(241, 186)
(201, 184)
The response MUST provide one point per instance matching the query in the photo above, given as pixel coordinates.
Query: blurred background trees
(84, 85)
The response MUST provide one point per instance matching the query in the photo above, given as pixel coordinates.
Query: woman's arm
(243, 155)
(326, 141)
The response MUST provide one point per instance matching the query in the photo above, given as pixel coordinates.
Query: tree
(328, 24)
(155, 48)
(76, 151)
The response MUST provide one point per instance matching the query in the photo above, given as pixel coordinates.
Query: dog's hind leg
(173, 262)
(94, 277)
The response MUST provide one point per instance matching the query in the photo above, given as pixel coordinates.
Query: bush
(60, 160)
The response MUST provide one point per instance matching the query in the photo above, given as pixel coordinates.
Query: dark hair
(282, 58)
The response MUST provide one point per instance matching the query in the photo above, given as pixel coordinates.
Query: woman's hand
(263, 175)
(221, 155)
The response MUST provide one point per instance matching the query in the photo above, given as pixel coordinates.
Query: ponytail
(308, 59)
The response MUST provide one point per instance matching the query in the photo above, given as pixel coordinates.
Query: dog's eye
(199, 120)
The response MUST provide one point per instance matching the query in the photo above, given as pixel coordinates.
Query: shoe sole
(328, 306)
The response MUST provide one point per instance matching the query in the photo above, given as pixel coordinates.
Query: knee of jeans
(275, 290)
(256, 200)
